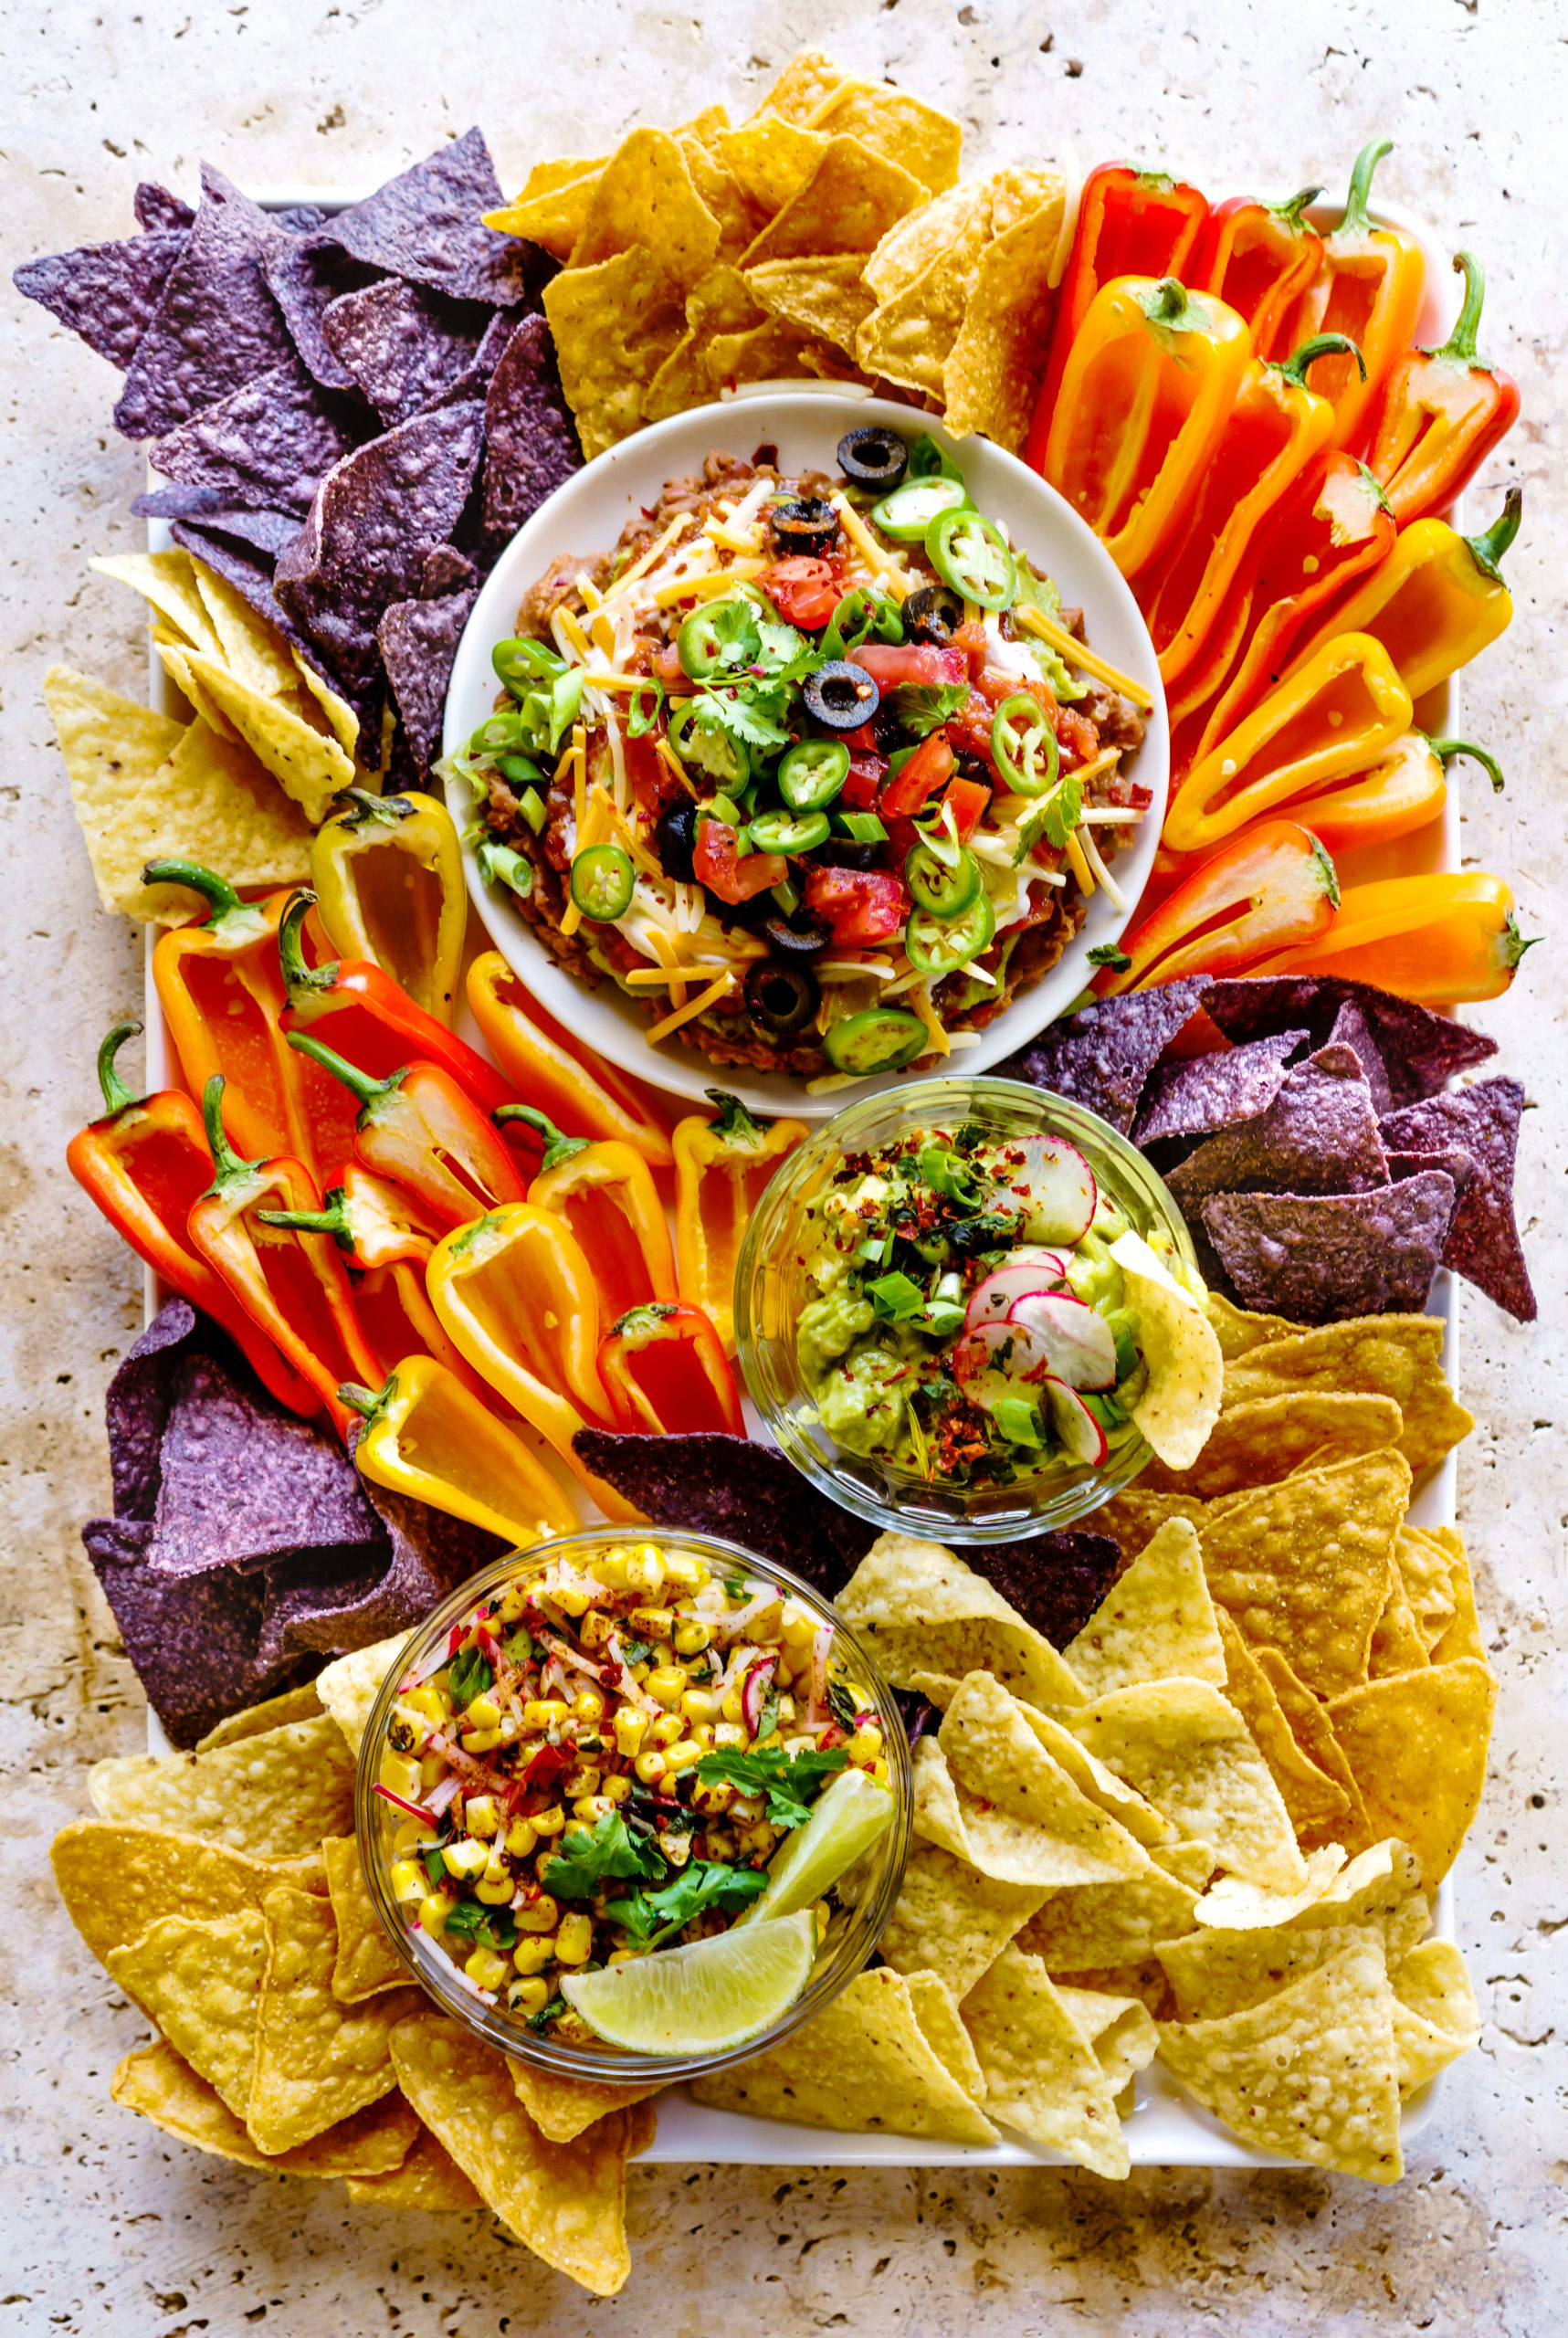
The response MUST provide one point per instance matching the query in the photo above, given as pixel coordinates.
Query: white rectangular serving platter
(1165, 2127)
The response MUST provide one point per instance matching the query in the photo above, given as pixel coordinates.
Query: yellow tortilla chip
(563, 2108)
(994, 371)
(1396, 1645)
(935, 2008)
(951, 1919)
(316, 2061)
(644, 200)
(1134, 1519)
(156, 2082)
(766, 352)
(1186, 1372)
(614, 325)
(1145, 1984)
(1379, 1355)
(848, 204)
(1042, 2074)
(916, 136)
(1380, 1888)
(739, 218)
(1124, 1803)
(341, 720)
(1311, 2072)
(254, 651)
(274, 1795)
(809, 78)
(1462, 1636)
(311, 767)
(1181, 1744)
(200, 1979)
(113, 748)
(429, 2179)
(1432, 1980)
(211, 801)
(770, 160)
(1214, 1973)
(289, 1704)
(938, 1816)
(552, 208)
(167, 581)
(1120, 2030)
(914, 242)
(907, 338)
(117, 1881)
(1098, 1924)
(920, 1609)
(1156, 1621)
(365, 1961)
(1309, 1794)
(1238, 1331)
(824, 296)
(1423, 1570)
(1417, 1745)
(1314, 1735)
(1258, 1444)
(349, 1686)
(1022, 1819)
(863, 2063)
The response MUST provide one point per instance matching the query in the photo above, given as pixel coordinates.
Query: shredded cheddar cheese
(1057, 638)
(649, 559)
(704, 999)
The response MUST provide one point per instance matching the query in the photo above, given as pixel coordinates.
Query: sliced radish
(1075, 1423)
(1026, 1270)
(995, 1360)
(1076, 1342)
(1059, 1191)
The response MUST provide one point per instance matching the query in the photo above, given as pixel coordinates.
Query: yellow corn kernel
(399, 1776)
(534, 1954)
(746, 1808)
(548, 1822)
(668, 1683)
(689, 1636)
(880, 1773)
(652, 1623)
(543, 1712)
(783, 1671)
(584, 1780)
(479, 1740)
(649, 1767)
(610, 1570)
(821, 1916)
(485, 1969)
(574, 1941)
(575, 1826)
(730, 1732)
(587, 1705)
(465, 1856)
(481, 1815)
(432, 1770)
(864, 1746)
(667, 1729)
(645, 1570)
(434, 1911)
(540, 1915)
(631, 1728)
(699, 1704)
(710, 1802)
(596, 1627)
(411, 1836)
(512, 1604)
(408, 1731)
(592, 1807)
(756, 1838)
(496, 1889)
(799, 1625)
(520, 1838)
(622, 1957)
(786, 1711)
(408, 1880)
(860, 1696)
(731, 1707)
(684, 1570)
(427, 1700)
(721, 1843)
(483, 1713)
(684, 1754)
(702, 1732)
(573, 1599)
(526, 1997)
(615, 1789)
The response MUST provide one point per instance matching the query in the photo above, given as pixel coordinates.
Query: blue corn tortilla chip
(427, 224)
(105, 293)
(530, 439)
(157, 209)
(1101, 1056)
(445, 570)
(137, 1400)
(267, 444)
(217, 323)
(1352, 1030)
(374, 519)
(1212, 1092)
(1321, 1258)
(1483, 1242)
(1420, 1050)
(1055, 1581)
(418, 642)
(407, 348)
(306, 275)
(1319, 1136)
(259, 529)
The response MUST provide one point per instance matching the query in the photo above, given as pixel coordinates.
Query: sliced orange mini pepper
(1444, 940)
(1256, 258)
(1148, 389)
(222, 995)
(1368, 285)
(537, 1056)
(1404, 792)
(392, 1305)
(606, 1194)
(665, 1374)
(426, 1436)
(1441, 414)
(721, 1168)
(1273, 887)
(418, 1127)
(373, 1222)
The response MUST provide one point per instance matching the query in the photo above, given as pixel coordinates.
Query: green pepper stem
(1327, 874)
(639, 1326)
(368, 1402)
(1322, 344)
(558, 1146)
(117, 1097)
(1460, 346)
(370, 1093)
(734, 1119)
(226, 1163)
(1487, 549)
(1291, 213)
(1170, 299)
(1356, 221)
(334, 1219)
(1369, 478)
(1514, 943)
(355, 806)
(299, 980)
(219, 895)
(1447, 749)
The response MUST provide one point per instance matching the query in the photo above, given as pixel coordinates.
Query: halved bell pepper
(1405, 791)
(1257, 258)
(146, 1164)
(1368, 285)
(419, 1128)
(425, 1435)
(721, 1168)
(666, 1375)
(1130, 223)
(388, 874)
(394, 1313)
(1275, 426)
(222, 995)
(1441, 414)
(1271, 889)
(293, 1285)
(1435, 602)
(1145, 396)
(1445, 939)
(373, 1221)
(606, 1194)
(539, 1057)
(1344, 707)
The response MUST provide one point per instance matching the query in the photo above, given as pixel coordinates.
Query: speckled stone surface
(104, 2225)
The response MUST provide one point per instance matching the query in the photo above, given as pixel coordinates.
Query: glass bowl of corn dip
(634, 1804)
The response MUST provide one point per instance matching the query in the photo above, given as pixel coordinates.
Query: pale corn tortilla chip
(819, 297)
(1191, 1863)
(906, 338)
(1379, 1888)
(1042, 2074)
(935, 2008)
(1238, 1331)
(1462, 1637)
(1023, 1820)
(365, 1961)
(644, 199)
(167, 581)
(341, 720)
(804, 85)
(765, 353)
(1420, 2050)
(922, 1609)
(113, 749)
(1258, 1444)
(938, 1815)
(1310, 1796)
(770, 160)
(863, 2063)
(200, 1979)
(316, 2061)
(430, 2180)
(890, 123)
(1181, 1744)
(912, 243)
(1311, 2072)
(175, 658)
(1418, 1746)
(1380, 1356)
(1145, 1983)
(552, 208)
(739, 218)
(614, 325)
(117, 1881)
(995, 368)
(951, 1919)
(848, 204)
(1156, 1621)
(1396, 1645)
(1214, 1973)
(1120, 2030)
(1186, 1372)
(1423, 1570)
(1433, 1982)
(1305, 1567)
(289, 1704)
(1314, 1735)
(1125, 1804)
(274, 1796)
(156, 2082)
(566, 2202)
(349, 1686)
(211, 801)
(254, 651)
(1098, 1924)
(310, 768)
(1018, 192)
(563, 2108)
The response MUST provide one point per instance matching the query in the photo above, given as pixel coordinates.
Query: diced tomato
(866, 773)
(929, 768)
(891, 663)
(804, 592)
(969, 730)
(734, 877)
(1076, 737)
(902, 838)
(860, 905)
(859, 742)
(970, 639)
(995, 686)
(969, 801)
(665, 665)
(651, 775)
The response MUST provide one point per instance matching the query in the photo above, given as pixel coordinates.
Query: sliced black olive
(840, 696)
(874, 456)
(801, 937)
(807, 524)
(781, 999)
(676, 839)
(933, 614)
(839, 852)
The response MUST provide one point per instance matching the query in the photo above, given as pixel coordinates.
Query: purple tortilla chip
(106, 293)
(1420, 1050)
(1352, 1030)
(158, 210)
(427, 224)
(1319, 1258)
(137, 1400)
(418, 642)
(215, 325)
(1454, 1163)
(1483, 1242)
(1101, 1056)
(299, 218)
(1319, 1136)
(374, 517)
(305, 276)
(530, 439)
(268, 443)
(406, 347)
(735, 1487)
(445, 570)
(262, 531)
(249, 573)
(1212, 1092)
(1055, 1581)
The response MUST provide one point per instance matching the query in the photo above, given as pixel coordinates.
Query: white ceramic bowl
(587, 515)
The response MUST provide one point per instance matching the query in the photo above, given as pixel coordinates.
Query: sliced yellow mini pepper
(608, 1197)
(388, 876)
(427, 1436)
(1445, 939)
(721, 1168)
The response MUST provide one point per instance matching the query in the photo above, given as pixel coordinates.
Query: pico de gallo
(817, 768)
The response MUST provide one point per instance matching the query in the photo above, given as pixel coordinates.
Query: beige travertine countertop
(104, 2224)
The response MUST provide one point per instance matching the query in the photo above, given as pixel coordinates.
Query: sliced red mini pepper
(1368, 284)
(419, 1128)
(222, 995)
(1257, 258)
(666, 1375)
(1441, 414)
(1267, 890)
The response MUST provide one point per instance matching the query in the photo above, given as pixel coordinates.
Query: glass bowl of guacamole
(931, 1319)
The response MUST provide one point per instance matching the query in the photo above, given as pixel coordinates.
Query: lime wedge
(703, 1998)
(846, 1822)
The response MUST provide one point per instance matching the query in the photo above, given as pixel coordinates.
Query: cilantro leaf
(1106, 953)
(469, 1675)
(585, 1860)
(1062, 809)
(651, 1916)
(551, 2012)
(841, 1704)
(924, 707)
(751, 716)
(493, 1928)
(786, 1780)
